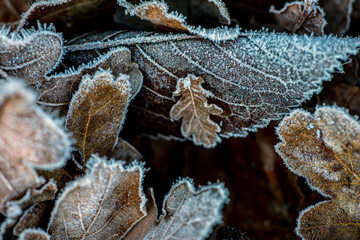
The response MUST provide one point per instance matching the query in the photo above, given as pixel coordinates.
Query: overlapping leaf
(195, 112)
(34, 234)
(28, 138)
(97, 112)
(187, 213)
(102, 205)
(29, 55)
(324, 148)
(58, 90)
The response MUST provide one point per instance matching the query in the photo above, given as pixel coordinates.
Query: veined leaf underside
(256, 78)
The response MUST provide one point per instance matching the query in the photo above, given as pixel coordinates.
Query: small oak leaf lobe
(324, 148)
(195, 112)
(97, 112)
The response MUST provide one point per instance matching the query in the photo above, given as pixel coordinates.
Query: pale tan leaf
(325, 149)
(195, 112)
(103, 204)
(97, 112)
(31, 54)
(28, 138)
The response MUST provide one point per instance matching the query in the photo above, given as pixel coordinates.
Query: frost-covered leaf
(325, 149)
(58, 90)
(97, 111)
(189, 213)
(195, 112)
(157, 12)
(33, 197)
(34, 234)
(124, 151)
(33, 217)
(301, 17)
(103, 204)
(65, 11)
(28, 138)
(338, 15)
(256, 78)
(29, 55)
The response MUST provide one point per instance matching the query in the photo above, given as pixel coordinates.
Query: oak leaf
(97, 112)
(103, 204)
(30, 54)
(195, 112)
(324, 148)
(28, 139)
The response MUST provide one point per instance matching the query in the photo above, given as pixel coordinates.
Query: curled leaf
(157, 12)
(103, 204)
(195, 112)
(301, 17)
(28, 138)
(324, 148)
(97, 112)
(30, 55)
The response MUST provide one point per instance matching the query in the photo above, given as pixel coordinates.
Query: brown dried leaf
(59, 89)
(30, 55)
(324, 148)
(300, 17)
(195, 112)
(139, 230)
(34, 234)
(28, 138)
(338, 15)
(103, 204)
(97, 112)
